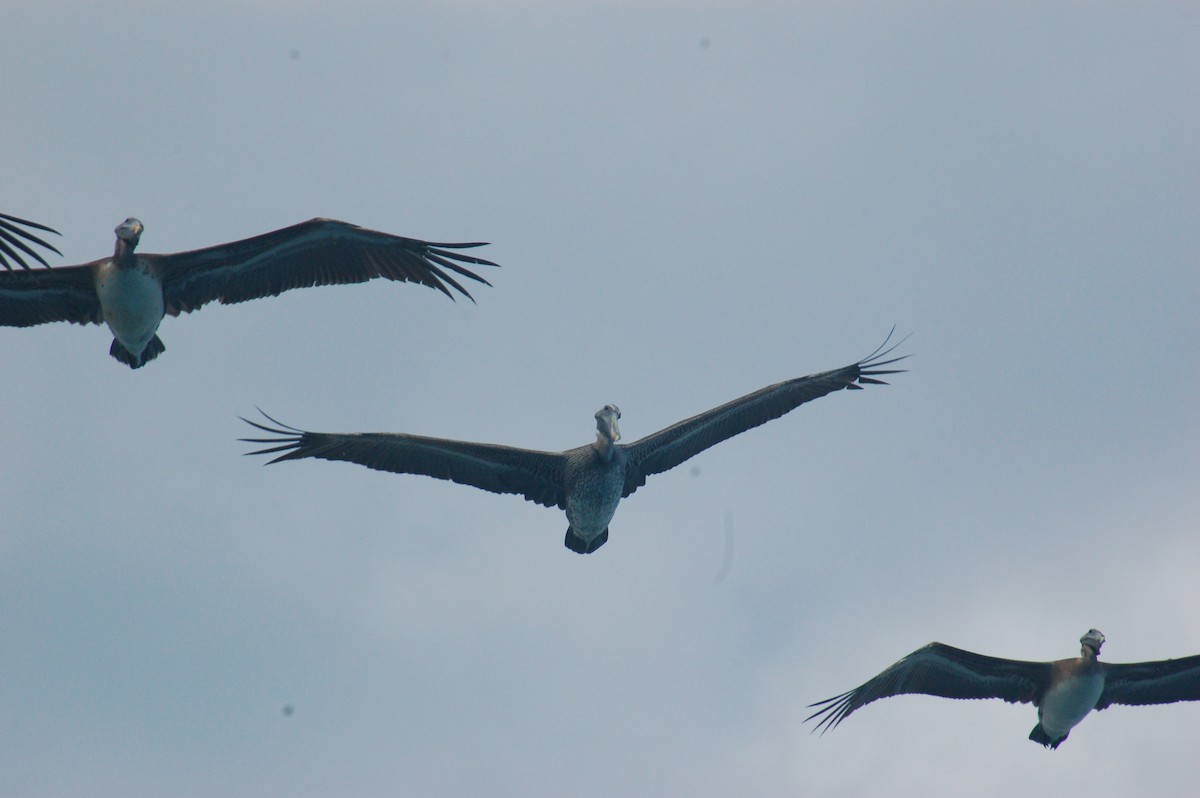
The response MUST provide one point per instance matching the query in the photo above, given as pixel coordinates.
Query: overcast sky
(689, 202)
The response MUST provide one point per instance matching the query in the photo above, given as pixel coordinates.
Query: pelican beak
(606, 422)
(129, 230)
(1093, 639)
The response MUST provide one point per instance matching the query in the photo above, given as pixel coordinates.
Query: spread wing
(37, 296)
(667, 448)
(13, 237)
(941, 670)
(538, 476)
(316, 252)
(1162, 682)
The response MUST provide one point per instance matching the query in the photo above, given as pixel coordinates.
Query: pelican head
(1093, 640)
(130, 231)
(606, 423)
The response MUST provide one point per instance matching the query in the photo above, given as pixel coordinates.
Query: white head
(130, 231)
(1093, 640)
(606, 423)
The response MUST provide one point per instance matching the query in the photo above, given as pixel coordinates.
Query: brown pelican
(11, 235)
(587, 482)
(132, 292)
(1064, 691)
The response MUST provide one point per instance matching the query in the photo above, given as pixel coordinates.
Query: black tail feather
(581, 546)
(1038, 735)
(152, 350)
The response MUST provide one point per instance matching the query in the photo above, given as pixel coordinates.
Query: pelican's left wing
(1162, 682)
(316, 252)
(13, 237)
(538, 476)
(667, 448)
(941, 670)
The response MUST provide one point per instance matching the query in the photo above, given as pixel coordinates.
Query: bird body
(587, 482)
(1075, 687)
(131, 304)
(594, 483)
(130, 297)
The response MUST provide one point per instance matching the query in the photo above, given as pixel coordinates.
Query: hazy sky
(690, 201)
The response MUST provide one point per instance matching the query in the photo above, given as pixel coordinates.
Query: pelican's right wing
(941, 670)
(538, 476)
(37, 296)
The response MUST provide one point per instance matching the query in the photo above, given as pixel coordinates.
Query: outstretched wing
(13, 237)
(37, 296)
(538, 476)
(941, 670)
(316, 252)
(1162, 682)
(667, 448)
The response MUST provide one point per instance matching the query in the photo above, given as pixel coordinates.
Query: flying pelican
(132, 292)
(587, 482)
(1064, 691)
(11, 235)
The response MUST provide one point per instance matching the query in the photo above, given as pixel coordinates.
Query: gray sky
(689, 203)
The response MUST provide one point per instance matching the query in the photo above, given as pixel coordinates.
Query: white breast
(594, 499)
(132, 302)
(1068, 702)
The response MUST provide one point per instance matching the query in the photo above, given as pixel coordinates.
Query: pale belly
(591, 505)
(1070, 702)
(132, 303)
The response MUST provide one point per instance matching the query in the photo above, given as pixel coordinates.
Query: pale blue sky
(689, 203)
